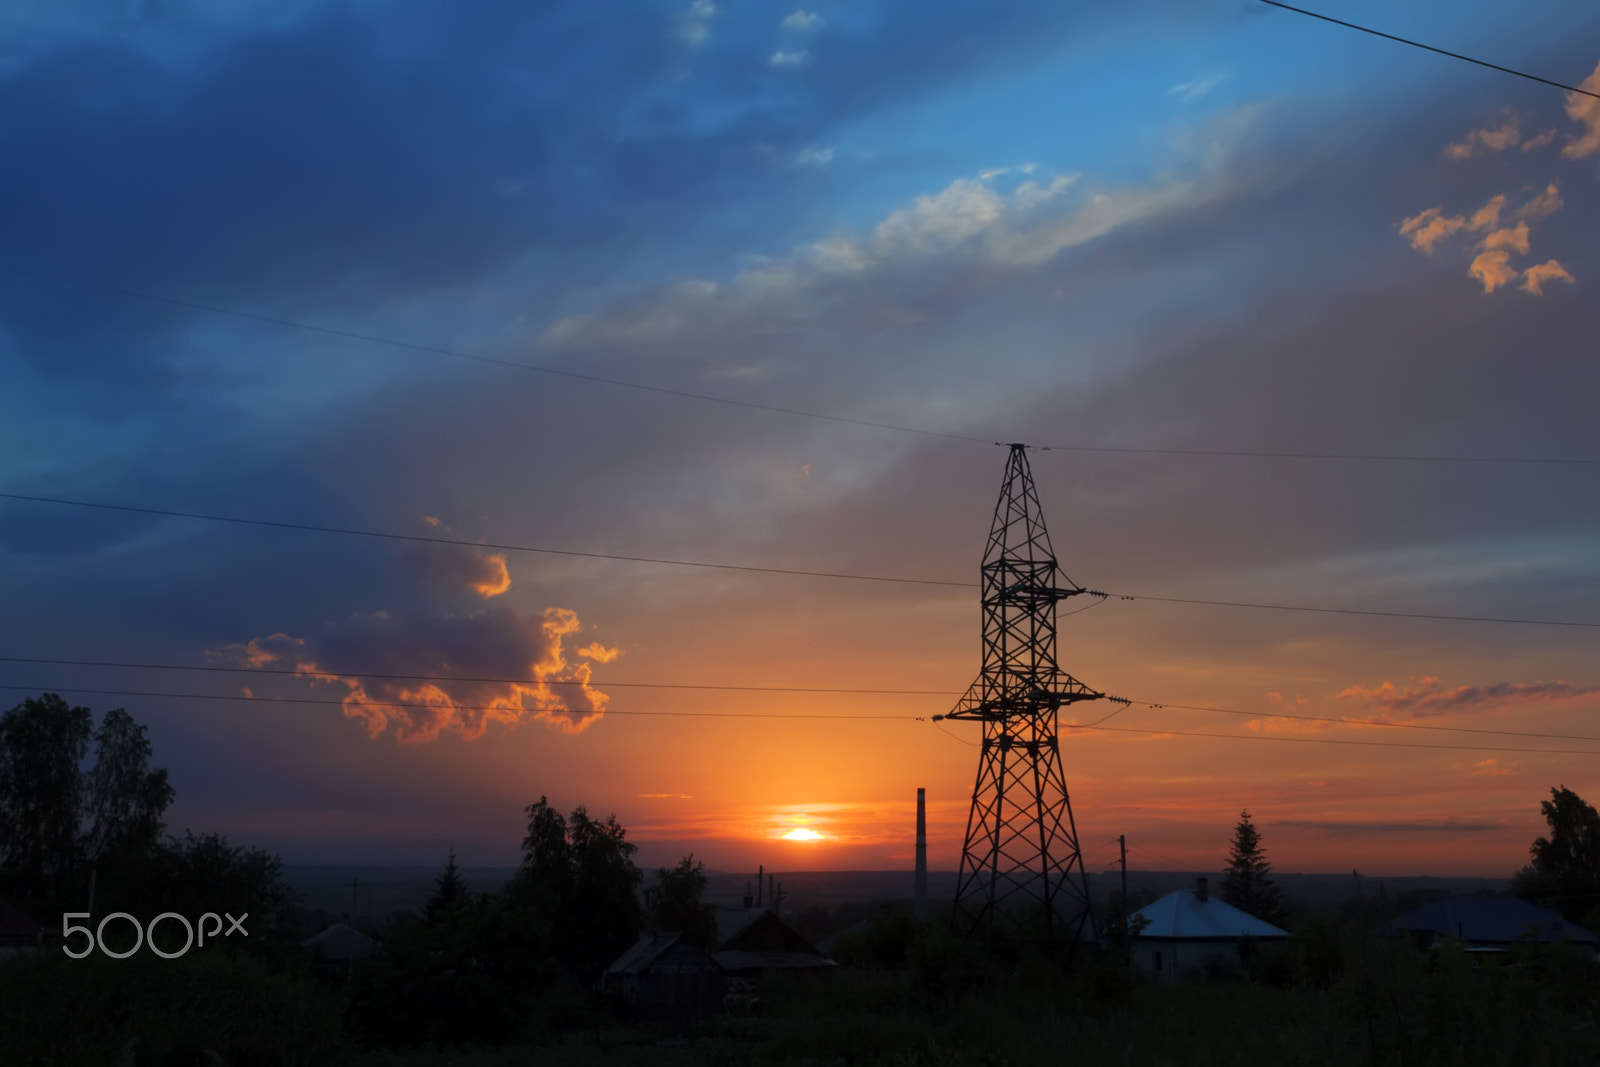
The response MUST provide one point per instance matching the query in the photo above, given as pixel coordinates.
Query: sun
(802, 834)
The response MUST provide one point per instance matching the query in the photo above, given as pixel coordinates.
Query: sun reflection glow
(802, 834)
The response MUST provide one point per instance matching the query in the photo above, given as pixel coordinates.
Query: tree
(42, 743)
(578, 874)
(1566, 865)
(673, 903)
(450, 892)
(1247, 879)
(125, 798)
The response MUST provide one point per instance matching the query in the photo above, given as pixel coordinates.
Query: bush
(192, 1010)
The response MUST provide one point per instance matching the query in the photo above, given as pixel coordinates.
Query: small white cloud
(1194, 90)
(789, 58)
(803, 22)
(694, 25)
(813, 156)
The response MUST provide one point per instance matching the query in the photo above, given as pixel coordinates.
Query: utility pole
(920, 899)
(1021, 860)
(1122, 840)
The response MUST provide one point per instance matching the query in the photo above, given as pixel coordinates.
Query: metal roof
(1182, 916)
(1493, 920)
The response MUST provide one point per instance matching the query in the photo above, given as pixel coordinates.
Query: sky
(243, 240)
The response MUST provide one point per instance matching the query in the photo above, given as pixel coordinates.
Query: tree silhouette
(450, 891)
(1247, 880)
(125, 798)
(577, 875)
(1565, 871)
(42, 743)
(673, 903)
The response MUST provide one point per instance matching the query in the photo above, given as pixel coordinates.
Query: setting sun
(802, 834)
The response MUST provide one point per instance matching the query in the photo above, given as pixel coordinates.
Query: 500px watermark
(147, 934)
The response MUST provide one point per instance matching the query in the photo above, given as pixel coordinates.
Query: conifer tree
(450, 891)
(1247, 880)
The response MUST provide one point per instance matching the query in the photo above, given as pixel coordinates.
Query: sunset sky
(1196, 225)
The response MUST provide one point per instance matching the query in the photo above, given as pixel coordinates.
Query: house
(340, 943)
(666, 978)
(19, 934)
(1189, 930)
(752, 942)
(1490, 923)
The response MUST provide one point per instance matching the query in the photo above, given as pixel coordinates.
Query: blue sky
(1139, 224)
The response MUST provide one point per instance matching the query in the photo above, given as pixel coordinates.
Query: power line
(803, 413)
(458, 707)
(1378, 722)
(424, 539)
(1360, 611)
(1340, 741)
(820, 690)
(934, 719)
(462, 678)
(1431, 48)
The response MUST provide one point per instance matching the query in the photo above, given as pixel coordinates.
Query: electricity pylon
(1021, 864)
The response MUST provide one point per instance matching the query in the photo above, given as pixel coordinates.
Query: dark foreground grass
(1396, 1007)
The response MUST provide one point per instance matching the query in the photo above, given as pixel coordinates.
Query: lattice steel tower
(1020, 865)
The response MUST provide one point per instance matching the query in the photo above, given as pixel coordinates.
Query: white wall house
(1186, 929)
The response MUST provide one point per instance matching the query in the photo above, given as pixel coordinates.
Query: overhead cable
(747, 568)
(1431, 48)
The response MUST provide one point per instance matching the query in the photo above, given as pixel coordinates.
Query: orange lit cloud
(1584, 110)
(1512, 238)
(599, 653)
(1541, 206)
(1533, 278)
(506, 668)
(1494, 138)
(1493, 269)
(1427, 697)
(457, 567)
(1428, 228)
(1492, 265)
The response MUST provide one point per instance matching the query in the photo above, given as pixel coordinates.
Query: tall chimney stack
(920, 907)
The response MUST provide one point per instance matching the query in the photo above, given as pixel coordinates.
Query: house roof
(341, 942)
(759, 930)
(1182, 916)
(1493, 920)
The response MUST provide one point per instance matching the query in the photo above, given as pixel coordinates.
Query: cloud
(1584, 110)
(1491, 768)
(503, 667)
(789, 58)
(1495, 138)
(1492, 265)
(1533, 143)
(968, 222)
(1541, 206)
(1427, 697)
(1493, 269)
(803, 22)
(694, 25)
(1194, 90)
(1533, 278)
(813, 156)
(599, 653)
(457, 567)
(1429, 227)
